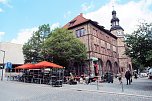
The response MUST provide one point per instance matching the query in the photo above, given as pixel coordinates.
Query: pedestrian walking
(128, 77)
(120, 78)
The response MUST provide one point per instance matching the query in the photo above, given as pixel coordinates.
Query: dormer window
(71, 22)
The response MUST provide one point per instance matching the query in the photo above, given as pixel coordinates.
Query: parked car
(143, 74)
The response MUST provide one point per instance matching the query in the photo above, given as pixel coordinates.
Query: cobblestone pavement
(139, 90)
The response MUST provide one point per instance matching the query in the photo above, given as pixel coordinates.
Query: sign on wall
(8, 65)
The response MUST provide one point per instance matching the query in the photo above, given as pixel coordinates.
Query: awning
(40, 65)
(26, 66)
(94, 58)
(46, 64)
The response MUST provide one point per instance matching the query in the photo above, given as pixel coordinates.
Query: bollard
(97, 84)
(122, 86)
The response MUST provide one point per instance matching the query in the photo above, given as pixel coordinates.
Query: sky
(20, 18)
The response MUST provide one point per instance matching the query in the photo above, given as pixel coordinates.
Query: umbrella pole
(24, 74)
(43, 76)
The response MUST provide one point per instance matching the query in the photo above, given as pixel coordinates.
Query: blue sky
(19, 18)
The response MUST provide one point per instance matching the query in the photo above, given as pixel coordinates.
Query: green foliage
(60, 45)
(139, 45)
(65, 47)
(33, 50)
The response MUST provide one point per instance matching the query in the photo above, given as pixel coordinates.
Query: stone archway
(116, 68)
(109, 66)
(100, 63)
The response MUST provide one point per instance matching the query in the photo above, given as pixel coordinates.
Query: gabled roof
(76, 21)
(80, 20)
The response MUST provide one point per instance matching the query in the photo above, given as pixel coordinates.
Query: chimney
(81, 14)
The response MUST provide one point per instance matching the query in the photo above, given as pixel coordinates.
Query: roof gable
(76, 21)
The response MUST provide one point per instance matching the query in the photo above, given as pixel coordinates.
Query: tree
(139, 45)
(33, 50)
(65, 47)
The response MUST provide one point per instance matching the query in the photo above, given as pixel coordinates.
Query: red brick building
(105, 47)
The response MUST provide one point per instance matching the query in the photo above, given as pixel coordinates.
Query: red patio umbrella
(47, 64)
(26, 66)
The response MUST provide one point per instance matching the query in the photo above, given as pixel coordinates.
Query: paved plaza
(139, 90)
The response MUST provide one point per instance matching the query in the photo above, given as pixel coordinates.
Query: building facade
(104, 47)
(13, 53)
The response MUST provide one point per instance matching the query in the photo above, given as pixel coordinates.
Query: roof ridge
(75, 21)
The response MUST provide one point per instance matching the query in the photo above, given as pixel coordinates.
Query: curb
(114, 93)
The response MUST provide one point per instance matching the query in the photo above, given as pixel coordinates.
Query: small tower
(118, 31)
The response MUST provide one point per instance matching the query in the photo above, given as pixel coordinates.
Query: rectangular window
(114, 42)
(96, 48)
(96, 40)
(108, 46)
(114, 48)
(80, 32)
(102, 43)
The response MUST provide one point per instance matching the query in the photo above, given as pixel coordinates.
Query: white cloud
(55, 25)
(24, 35)
(86, 6)
(2, 33)
(3, 1)
(6, 2)
(129, 14)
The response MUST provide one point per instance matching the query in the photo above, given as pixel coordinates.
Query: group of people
(128, 76)
(88, 79)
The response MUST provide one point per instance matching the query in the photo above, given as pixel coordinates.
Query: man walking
(128, 77)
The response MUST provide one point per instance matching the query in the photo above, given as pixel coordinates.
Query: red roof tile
(76, 21)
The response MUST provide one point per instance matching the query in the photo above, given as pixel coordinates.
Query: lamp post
(3, 63)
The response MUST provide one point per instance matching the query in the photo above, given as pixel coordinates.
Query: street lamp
(3, 63)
